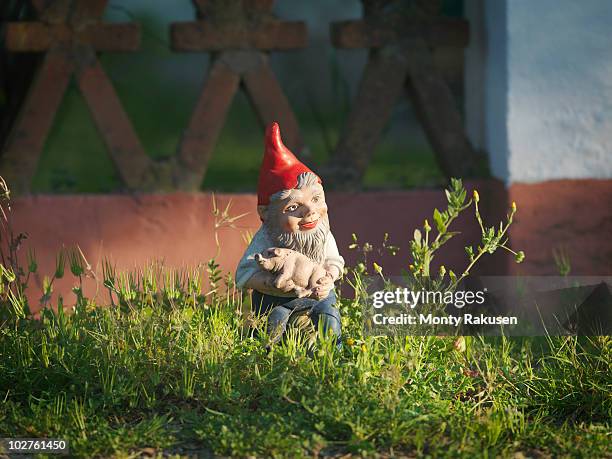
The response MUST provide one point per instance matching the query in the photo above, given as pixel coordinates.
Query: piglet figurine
(293, 268)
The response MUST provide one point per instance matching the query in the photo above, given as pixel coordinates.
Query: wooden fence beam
(27, 139)
(380, 87)
(130, 159)
(208, 36)
(364, 34)
(436, 109)
(207, 120)
(36, 37)
(271, 104)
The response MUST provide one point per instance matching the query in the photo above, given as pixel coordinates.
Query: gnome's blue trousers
(280, 309)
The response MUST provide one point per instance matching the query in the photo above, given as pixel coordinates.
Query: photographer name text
(430, 319)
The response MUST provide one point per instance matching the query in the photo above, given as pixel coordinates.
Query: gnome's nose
(310, 210)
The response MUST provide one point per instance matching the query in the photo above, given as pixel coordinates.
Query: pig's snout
(265, 263)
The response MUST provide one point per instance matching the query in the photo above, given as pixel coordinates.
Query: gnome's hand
(285, 285)
(324, 286)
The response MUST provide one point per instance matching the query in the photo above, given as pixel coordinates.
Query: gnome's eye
(291, 208)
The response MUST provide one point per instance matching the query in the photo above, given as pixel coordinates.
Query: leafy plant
(423, 248)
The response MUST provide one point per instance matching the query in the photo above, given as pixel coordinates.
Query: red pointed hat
(279, 168)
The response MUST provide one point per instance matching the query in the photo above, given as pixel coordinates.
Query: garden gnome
(291, 206)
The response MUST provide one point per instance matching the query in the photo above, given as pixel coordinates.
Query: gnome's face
(302, 211)
(297, 219)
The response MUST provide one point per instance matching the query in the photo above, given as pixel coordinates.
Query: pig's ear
(277, 252)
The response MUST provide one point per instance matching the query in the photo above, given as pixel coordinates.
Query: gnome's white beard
(309, 243)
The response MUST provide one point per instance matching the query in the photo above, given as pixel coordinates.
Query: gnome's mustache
(309, 243)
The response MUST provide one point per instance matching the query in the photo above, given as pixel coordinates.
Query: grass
(171, 369)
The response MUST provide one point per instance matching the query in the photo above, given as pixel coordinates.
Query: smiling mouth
(309, 225)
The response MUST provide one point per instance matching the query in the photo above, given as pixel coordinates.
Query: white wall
(546, 72)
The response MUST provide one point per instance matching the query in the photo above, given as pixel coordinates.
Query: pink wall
(179, 227)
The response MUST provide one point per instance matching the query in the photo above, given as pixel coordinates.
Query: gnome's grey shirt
(261, 241)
